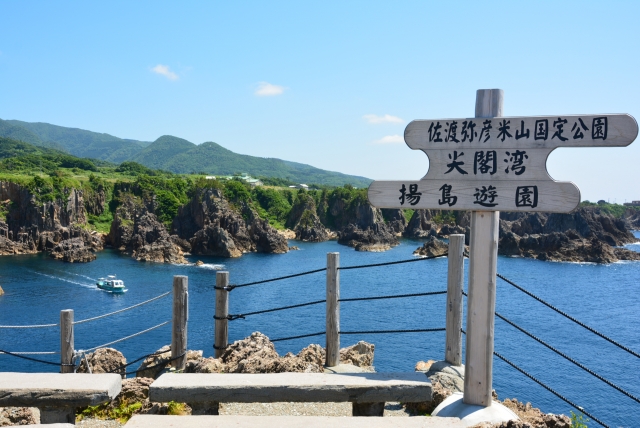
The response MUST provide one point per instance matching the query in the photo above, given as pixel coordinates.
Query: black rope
(234, 317)
(424, 330)
(581, 324)
(161, 363)
(392, 263)
(565, 356)
(228, 317)
(231, 287)
(136, 360)
(221, 348)
(566, 400)
(298, 337)
(35, 359)
(397, 296)
(557, 394)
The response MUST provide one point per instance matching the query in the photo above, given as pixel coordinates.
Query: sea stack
(1, 291)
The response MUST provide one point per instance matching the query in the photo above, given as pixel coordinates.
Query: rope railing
(422, 330)
(233, 286)
(564, 314)
(418, 259)
(320, 333)
(17, 355)
(415, 259)
(34, 352)
(568, 358)
(126, 338)
(548, 388)
(30, 326)
(395, 296)
(123, 310)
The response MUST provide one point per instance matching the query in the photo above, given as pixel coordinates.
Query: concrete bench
(367, 391)
(57, 395)
(226, 421)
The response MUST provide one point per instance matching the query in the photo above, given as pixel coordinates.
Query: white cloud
(268, 90)
(387, 118)
(164, 71)
(390, 139)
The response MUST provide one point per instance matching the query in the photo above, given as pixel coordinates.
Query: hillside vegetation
(170, 153)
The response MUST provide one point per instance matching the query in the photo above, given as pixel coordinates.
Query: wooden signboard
(487, 164)
(492, 164)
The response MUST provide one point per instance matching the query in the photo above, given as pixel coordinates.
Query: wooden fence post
(66, 340)
(481, 304)
(222, 311)
(180, 321)
(333, 310)
(455, 279)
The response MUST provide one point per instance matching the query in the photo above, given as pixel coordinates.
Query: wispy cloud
(387, 118)
(390, 139)
(266, 89)
(165, 71)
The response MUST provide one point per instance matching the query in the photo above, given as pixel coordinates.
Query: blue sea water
(606, 297)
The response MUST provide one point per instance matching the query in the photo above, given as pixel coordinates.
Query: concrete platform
(157, 421)
(292, 387)
(470, 414)
(57, 390)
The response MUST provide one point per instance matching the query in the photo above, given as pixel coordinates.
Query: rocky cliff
(137, 231)
(303, 219)
(365, 229)
(586, 235)
(212, 227)
(30, 226)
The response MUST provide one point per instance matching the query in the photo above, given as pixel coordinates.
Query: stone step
(158, 421)
(287, 387)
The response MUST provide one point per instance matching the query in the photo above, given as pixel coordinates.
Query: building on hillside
(633, 204)
(300, 186)
(253, 182)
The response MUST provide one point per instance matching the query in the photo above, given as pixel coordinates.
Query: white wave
(83, 284)
(210, 266)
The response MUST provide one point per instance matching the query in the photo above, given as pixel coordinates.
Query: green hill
(211, 158)
(162, 150)
(78, 142)
(169, 153)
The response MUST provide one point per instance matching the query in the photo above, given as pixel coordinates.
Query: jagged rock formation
(586, 235)
(434, 247)
(30, 226)
(156, 364)
(632, 217)
(305, 222)
(256, 354)
(212, 227)
(10, 416)
(73, 250)
(395, 219)
(103, 360)
(367, 231)
(420, 225)
(137, 231)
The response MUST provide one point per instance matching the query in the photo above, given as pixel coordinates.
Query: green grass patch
(101, 223)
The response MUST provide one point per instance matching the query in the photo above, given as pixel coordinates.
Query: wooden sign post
(487, 164)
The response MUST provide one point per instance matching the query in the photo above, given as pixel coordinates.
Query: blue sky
(331, 84)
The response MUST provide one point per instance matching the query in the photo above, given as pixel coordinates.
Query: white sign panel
(498, 164)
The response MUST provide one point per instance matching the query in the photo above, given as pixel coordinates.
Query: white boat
(110, 283)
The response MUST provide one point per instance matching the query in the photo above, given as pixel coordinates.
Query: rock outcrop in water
(137, 231)
(303, 219)
(586, 235)
(366, 229)
(212, 227)
(30, 226)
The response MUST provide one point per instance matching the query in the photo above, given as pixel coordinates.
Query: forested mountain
(169, 153)
(78, 142)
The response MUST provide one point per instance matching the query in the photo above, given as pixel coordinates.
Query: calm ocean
(605, 297)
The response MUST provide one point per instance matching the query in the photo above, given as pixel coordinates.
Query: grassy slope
(211, 158)
(158, 153)
(170, 153)
(82, 143)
